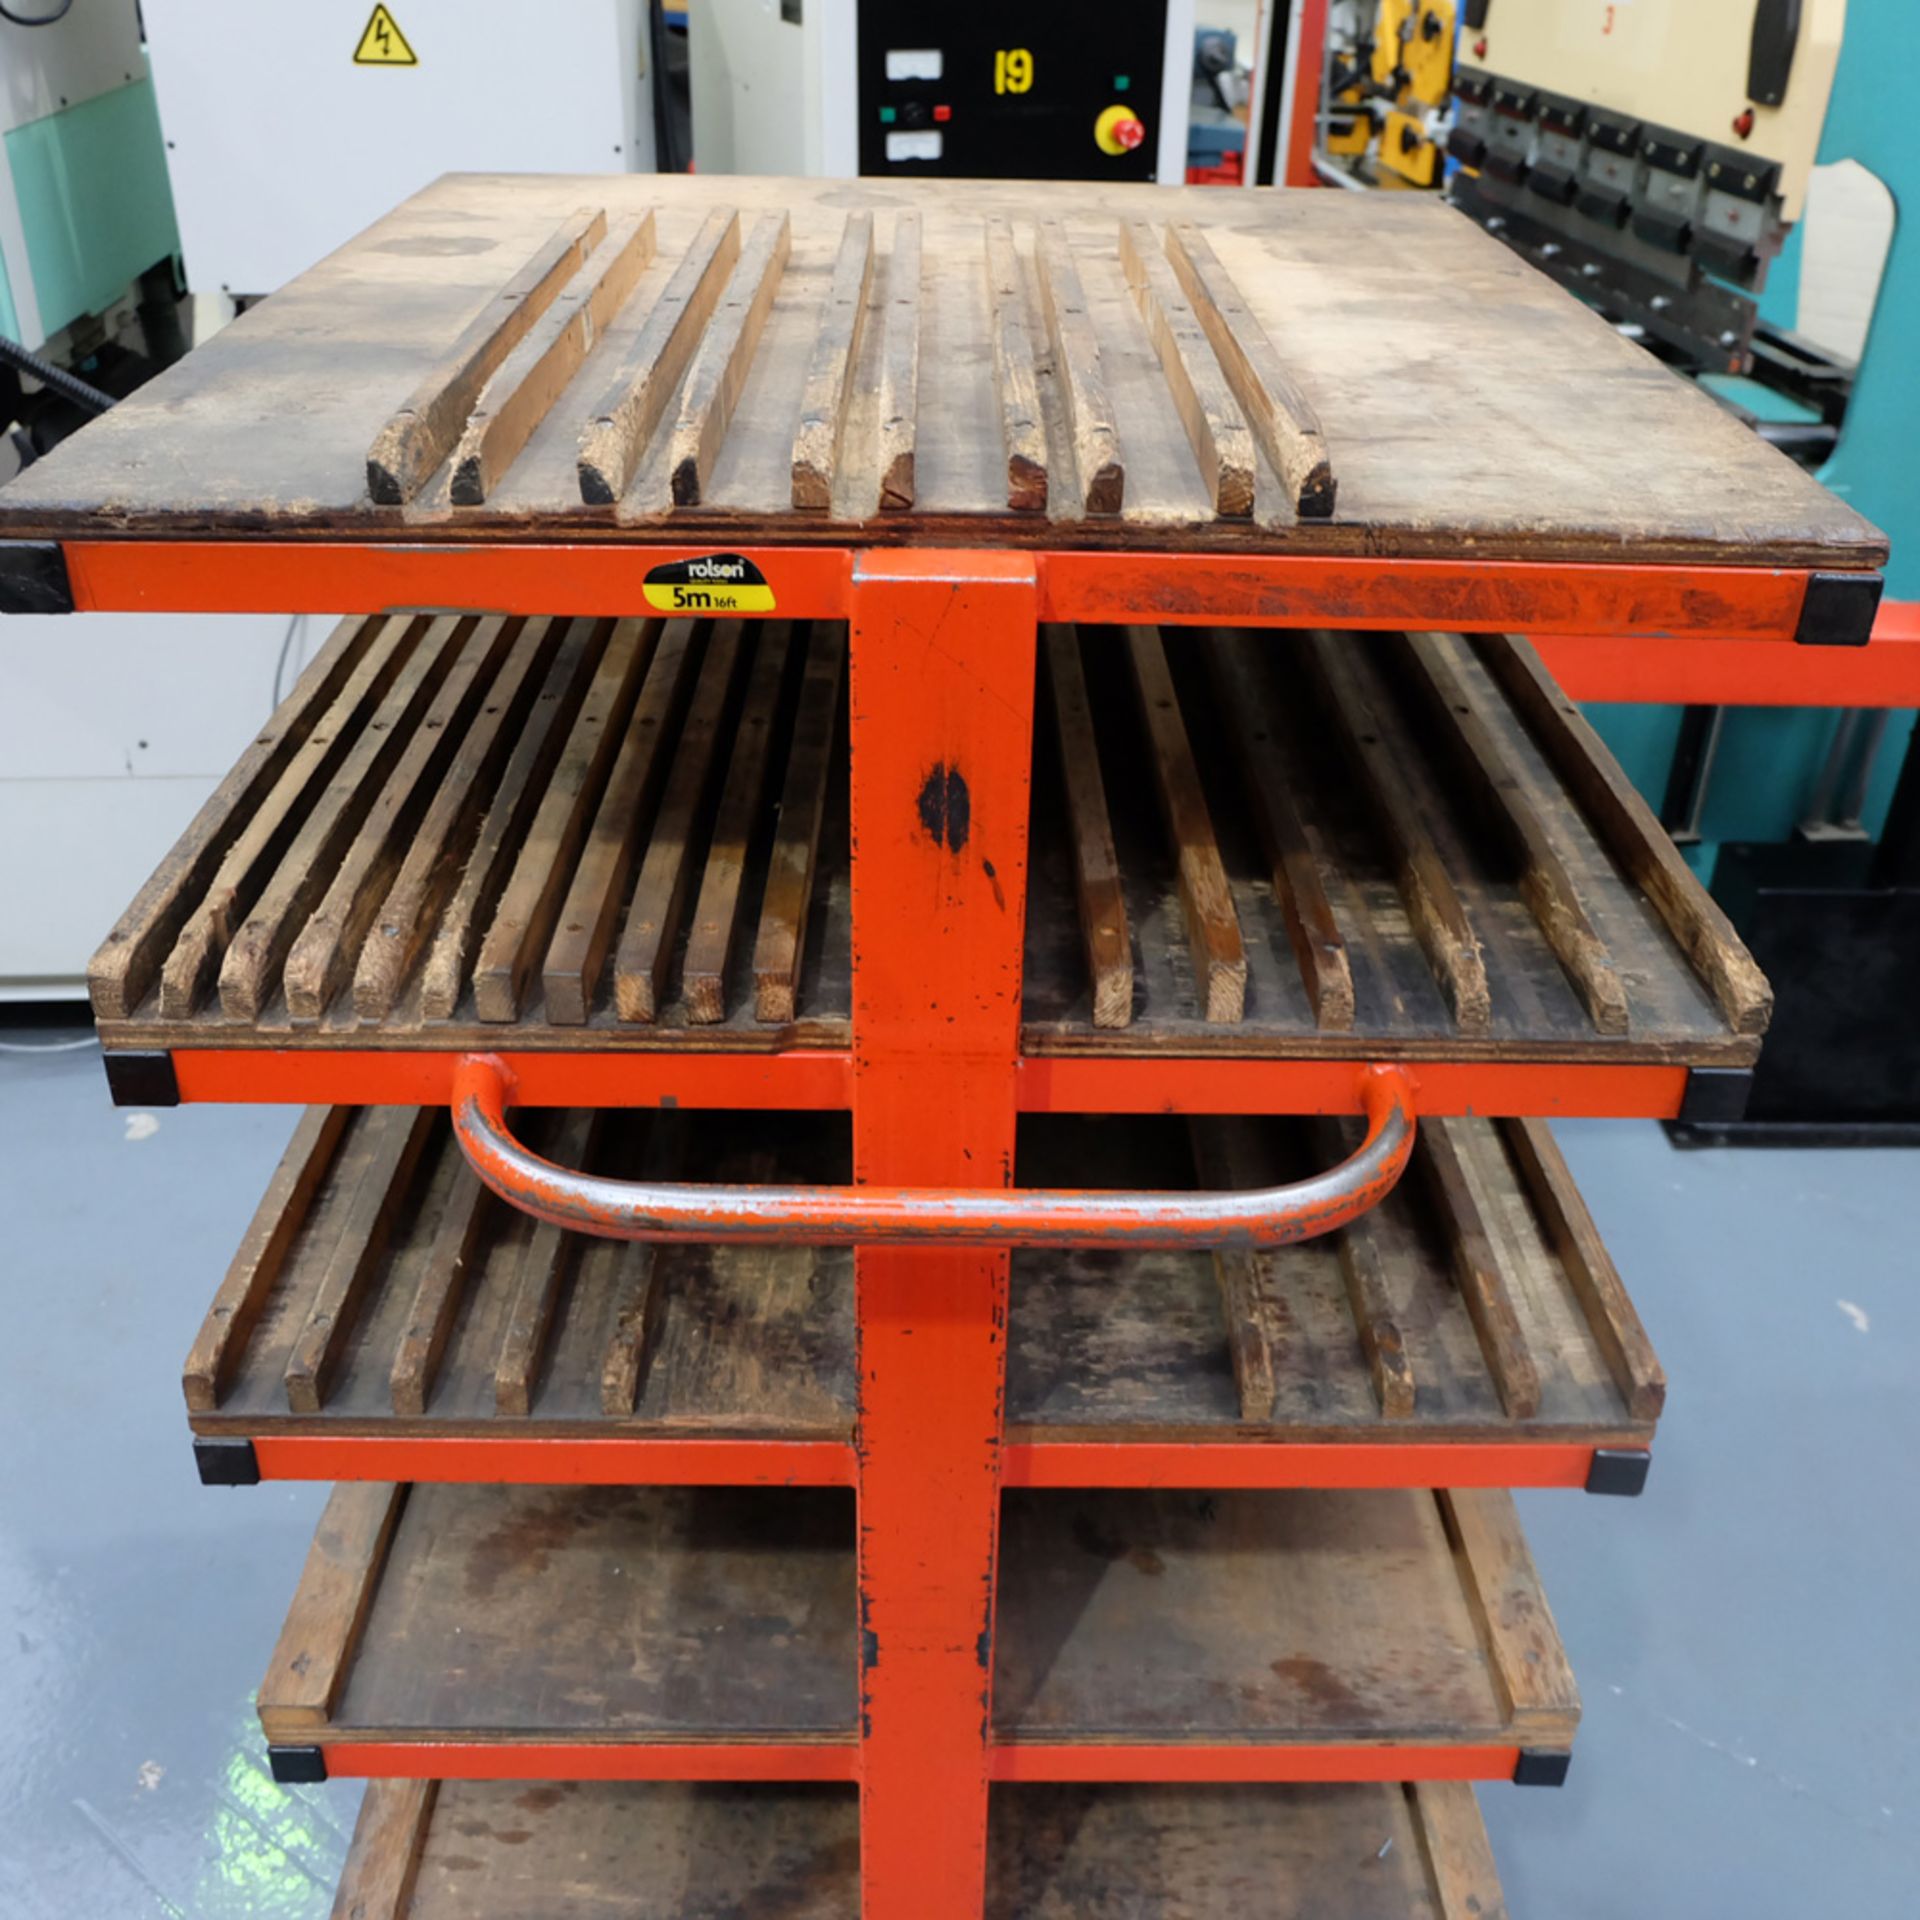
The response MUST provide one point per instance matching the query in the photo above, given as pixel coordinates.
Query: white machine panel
(282, 146)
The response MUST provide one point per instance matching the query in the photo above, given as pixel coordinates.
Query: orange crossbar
(589, 1760)
(1747, 673)
(1459, 596)
(555, 1460)
(1219, 1465)
(798, 1080)
(1231, 1765)
(1495, 1089)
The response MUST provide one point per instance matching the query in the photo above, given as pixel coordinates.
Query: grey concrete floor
(1746, 1634)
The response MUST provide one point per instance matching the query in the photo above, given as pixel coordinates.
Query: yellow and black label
(714, 583)
(383, 44)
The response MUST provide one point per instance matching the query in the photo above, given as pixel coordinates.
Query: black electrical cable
(67, 385)
(36, 19)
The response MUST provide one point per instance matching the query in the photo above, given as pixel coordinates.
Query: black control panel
(1011, 89)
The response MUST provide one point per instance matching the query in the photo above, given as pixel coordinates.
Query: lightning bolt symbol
(381, 33)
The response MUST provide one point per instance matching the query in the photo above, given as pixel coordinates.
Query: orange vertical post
(943, 653)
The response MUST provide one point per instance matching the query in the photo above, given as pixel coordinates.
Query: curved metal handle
(914, 1216)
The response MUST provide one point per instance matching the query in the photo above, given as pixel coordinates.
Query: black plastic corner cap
(137, 1078)
(1620, 1471)
(297, 1766)
(1839, 609)
(226, 1460)
(1537, 1769)
(34, 578)
(1716, 1096)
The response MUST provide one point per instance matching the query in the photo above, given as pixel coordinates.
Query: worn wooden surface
(759, 1341)
(469, 832)
(494, 1611)
(1241, 1853)
(1271, 1618)
(592, 1850)
(1382, 908)
(1523, 426)
(475, 1850)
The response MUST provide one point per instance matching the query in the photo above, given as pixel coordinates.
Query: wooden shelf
(525, 1618)
(1232, 1624)
(1635, 468)
(526, 835)
(381, 1295)
(1289, 1635)
(475, 833)
(1377, 847)
(464, 1850)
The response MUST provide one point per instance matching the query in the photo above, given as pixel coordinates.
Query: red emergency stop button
(1118, 130)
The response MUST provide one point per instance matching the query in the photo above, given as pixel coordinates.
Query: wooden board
(569, 1850)
(1428, 933)
(489, 1612)
(1523, 428)
(466, 883)
(484, 1614)
(1274, 1619)
(747, 1341)
(459, 902)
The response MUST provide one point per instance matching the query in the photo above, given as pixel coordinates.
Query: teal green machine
(1767, 769)
(87, 233)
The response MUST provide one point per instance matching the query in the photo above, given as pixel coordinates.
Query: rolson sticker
(715, 583)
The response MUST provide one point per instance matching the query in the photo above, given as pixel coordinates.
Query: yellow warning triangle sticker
(383, 44)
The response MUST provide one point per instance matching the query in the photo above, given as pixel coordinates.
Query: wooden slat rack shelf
(1471, 1330)
(1236, 1636)
(491, 1850)
(770, 691)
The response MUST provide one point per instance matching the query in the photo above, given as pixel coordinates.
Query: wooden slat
(571, 971)
(511, 802)
(422, 432)
(436, 1299)
(543, 865)
(1015, 384)
(1454, 1851)
(1631, 832)
(1280, 414)
(1096, 866)
(522, 393)
(836, 353)
(1274, 791)
(391, 1141)
(1225, 1160)
(1524, 1652)
(660, 894)
(545, 1261)
(780, 945)
(1217, 431)
(309, 1665)
(268, 817)
(1100, 473)
(1213, 927)
(1523, 816)
(710, 937)
(629, 409)
(437, 849)
(640, 1289)
(120, 974)
(1380, 753)
(1570, 1231)
(725, 356)
(1367, 1272)
(327, 948)
(900, 367)
(262, 1257)
(383, 1863)
(327, 828)
(1477, 1272)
